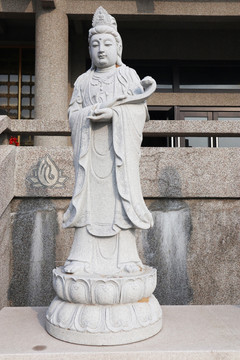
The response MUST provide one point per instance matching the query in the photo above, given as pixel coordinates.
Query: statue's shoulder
(128, 72)
(79, 87)
(82, 79)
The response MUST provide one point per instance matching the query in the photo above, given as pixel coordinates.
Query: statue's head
(105, 43)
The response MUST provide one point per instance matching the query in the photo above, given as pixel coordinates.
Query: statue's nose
(101, 48)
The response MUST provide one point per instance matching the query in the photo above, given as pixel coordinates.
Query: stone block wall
(5, 256)
(38, 246)
(195, 247)
(194, 199)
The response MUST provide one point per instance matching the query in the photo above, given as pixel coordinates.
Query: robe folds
(107, 196)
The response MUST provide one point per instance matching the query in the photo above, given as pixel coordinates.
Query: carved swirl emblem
(47, 174)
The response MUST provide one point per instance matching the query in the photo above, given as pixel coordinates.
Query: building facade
(190, 152)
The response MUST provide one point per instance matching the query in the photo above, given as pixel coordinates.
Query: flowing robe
(107, 196)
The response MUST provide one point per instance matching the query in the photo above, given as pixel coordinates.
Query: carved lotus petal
(53, 308)
(91, 318)
(132, 291)
(150, 284)
(65, 315)
(156, 310)
(106, 293)
(119, 318)
(143, 312)
(79, 292)
(58, 285)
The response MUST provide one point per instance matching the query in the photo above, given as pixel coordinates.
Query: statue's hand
(111, 103)
(105, 114)
(147, 81)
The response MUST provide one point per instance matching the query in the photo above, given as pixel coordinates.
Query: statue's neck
(107, 69)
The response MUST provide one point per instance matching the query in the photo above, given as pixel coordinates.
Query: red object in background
(13, 141)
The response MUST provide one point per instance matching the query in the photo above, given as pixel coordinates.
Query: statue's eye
(108, 43)
(94, 43)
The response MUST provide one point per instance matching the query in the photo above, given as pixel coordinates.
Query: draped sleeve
(80, 133)
(127, 126)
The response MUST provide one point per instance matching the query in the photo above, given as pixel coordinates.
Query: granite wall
(5, 256)
(194, 245)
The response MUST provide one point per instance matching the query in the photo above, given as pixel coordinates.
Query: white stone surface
(107, 114)
(104, 324)
(189, 333)
(104, 290)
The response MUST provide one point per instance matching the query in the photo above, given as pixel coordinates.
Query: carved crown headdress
(102, 17)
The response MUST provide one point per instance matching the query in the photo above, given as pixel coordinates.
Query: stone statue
(107, 117)
(107, 114)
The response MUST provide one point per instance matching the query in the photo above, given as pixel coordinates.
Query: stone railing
(195, 168)
(152, 128)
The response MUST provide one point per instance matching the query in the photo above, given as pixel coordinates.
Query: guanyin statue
(104, 292)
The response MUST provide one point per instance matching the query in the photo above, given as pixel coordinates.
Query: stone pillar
(51, 94)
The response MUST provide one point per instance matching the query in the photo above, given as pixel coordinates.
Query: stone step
(189, 333)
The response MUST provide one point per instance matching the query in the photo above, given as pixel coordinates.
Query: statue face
(103, 50)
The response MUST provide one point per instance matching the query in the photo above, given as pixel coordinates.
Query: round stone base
(104, 290)
(104, 324)
(120, 338)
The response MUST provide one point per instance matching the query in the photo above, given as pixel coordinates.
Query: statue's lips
(101, 56)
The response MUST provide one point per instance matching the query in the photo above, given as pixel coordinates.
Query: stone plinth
(189, 333)
(104, 310)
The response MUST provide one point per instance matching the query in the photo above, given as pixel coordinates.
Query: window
(159, 113)
(227, 141)
(196, 114)
(190, 76)
(17, 84)
(161, 71)
(212, 77)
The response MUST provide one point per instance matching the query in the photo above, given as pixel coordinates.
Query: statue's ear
(119, 53)
(119, 61)
(119, 49)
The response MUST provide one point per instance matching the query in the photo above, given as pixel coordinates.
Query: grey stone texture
(38, 246)
(28, 163)
(4, 122)
(163, 7)
(16, 6)
(192, 128)
(175, 173)
(165, 172)
(5, 256)
(190, 99)
(166, 247)
(7, 165)
(194, 245)
(38, 126)
(214, 252)
(151, 128)
(50, 141)
(51, 99)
